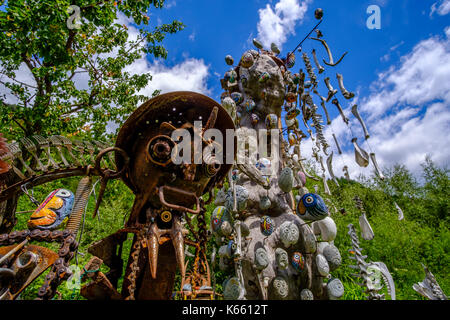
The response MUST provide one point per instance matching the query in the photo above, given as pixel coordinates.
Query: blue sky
(400, 73)
(390, 69)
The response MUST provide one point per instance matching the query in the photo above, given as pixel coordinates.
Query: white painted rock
(328, 229)
(322, 265)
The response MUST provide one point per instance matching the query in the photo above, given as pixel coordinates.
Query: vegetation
(77, 75)
(423, 236)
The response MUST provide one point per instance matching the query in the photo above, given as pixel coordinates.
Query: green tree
(35, 36)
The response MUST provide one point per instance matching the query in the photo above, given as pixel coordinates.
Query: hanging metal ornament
(400, 212)
(330, 168)
(347, 95)
(337, 144)
(357, 116)
(377, 168)
(341, 111)
(361, 156)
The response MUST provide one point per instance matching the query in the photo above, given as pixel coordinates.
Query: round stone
(261, 259)
(306, 294)
(335, 289)
(229, 60)
(289, 233)
(281, 258)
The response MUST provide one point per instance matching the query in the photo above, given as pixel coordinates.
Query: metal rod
(11, 252)
(307, 36)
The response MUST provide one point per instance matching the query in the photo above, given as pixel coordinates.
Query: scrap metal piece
(331, 90)
(69, 146)
(357, 116)
(17, 153)
(8, 158)
(377, 168)
(361, 156)
(58, 144)
(319, 67)
(330, 168)
(45, 145)
(90, 148)
(429, 287)
(81, 199)
(32, 149)
(400, 211)
(331, 62)
(341, 111)
(337, 144)
(347, 95)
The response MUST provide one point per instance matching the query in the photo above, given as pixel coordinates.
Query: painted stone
(232, 289)
(229, 60)
(312, 207)
(241, 198)
(237, 97)
(249, 105)
(289, 233)
(292, 139)
(265, 166)
(280, 288)
(333, 256)
(301, 178)
(335, 289)
(318, 13)
(274, 48)
(292, 114)
(322, 265)
(257, 43)
(219, 215)
(306, 294)
(53, 211)
(298, 261)
(282, 258)
(255, 119)
(328, 229)
(291, 97)
(261, 259)
(267, 225)
(247, 60)
(286, 179)
(271, 121)
(264, 77)
(310, 243)
(264, 203)
(296, 78)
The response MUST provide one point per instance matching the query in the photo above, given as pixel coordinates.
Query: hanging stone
(257, 43)
(307, 84)
(261, 259)
(286, 180)
(318, 13)
(302, 178)
(296, 78)
(322, 265)
(271, 121)
(292, 114)
(289, 233)
(232, 289)
(335, 289)
(306, 294)
(292, 139)
(289, 122)
(274, 48)
(282, 258)
(267, 225)
(290, 60)
(232, 81)
(321, 246)
(247, 60)
(264, 203)
(241, 199)
(298, 261)
(280, 288)
(333, 256)
(229, 60)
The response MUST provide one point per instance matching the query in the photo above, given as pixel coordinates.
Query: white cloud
(442, 7)
(407, 114)
(275, 25)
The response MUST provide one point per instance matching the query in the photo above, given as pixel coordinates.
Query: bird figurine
(53, 211)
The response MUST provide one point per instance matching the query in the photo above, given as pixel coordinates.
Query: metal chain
(137, 246)
(60, 268)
